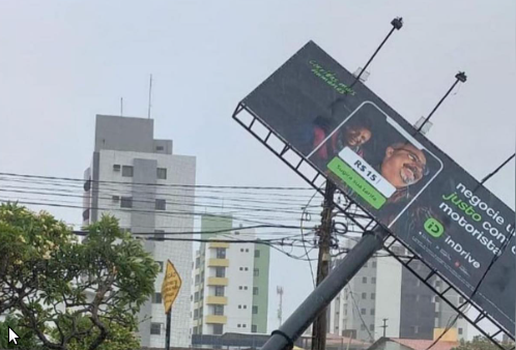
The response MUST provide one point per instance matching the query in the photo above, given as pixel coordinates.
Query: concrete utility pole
(323, 265)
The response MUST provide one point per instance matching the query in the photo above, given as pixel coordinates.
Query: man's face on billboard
(357, 136)
(403, 165)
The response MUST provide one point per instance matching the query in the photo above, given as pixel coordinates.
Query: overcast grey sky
(62, 62)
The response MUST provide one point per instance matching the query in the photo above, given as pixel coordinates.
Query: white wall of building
(180, 170)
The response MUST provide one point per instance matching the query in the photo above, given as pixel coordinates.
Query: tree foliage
(480, 343)
(54, 283)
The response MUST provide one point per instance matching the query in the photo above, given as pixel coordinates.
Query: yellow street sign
(171, 286)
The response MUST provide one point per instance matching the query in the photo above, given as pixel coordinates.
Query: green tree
(118, 338)
(54, 282)
(480, 343)
(27, 340)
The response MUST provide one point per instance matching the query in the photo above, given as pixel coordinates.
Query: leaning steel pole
(321, 297)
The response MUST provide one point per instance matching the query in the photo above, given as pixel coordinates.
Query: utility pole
(279, 291)
(323, 264)
(384, 326)
(326, 228)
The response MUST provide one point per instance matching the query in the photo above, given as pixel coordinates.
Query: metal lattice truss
(357, 217)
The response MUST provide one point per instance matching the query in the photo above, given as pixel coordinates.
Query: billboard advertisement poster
(395, 174)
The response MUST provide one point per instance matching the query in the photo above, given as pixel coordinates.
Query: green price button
(357, 183)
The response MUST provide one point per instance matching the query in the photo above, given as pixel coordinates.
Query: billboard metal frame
(364, 221)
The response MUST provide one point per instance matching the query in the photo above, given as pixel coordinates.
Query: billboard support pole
(321, 297)
(459, 77)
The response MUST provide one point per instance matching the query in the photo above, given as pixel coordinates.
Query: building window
(160, 148)
(155, 328)
(245, 306)
(362, 327)
(256, 272)
(221, 253)
(218, 310)
(116, 167)
(255, 290)
(372, 312)
(197, 262)
(255, 310)
(460, 331)
(254, 328)
(219, 291)
(115, 199)
(240, 287)
(373, 296)
(241, 250)
(363, 311)
(161, 204)
(240, 306)
(371, 327)
(218, 329)
(239, 325)
(246, 269)
(127, 171)
(196, 297)
(220, 271)
(256, 253)
(373, 280)
(245, 287)
(159, 235)
(197, 279)
(247, 250)
(364, 295)
(162, 173)
(364, 279)
(244, 325)
(126, 202)
(160, 263)
(196, 314)
(157, 298)
(374, 263)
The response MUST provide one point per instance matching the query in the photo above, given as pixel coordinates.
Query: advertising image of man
(403, 165)
(353, 134)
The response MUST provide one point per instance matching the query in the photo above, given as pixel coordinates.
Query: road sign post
(169, 290)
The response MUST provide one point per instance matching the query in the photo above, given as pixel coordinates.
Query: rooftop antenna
(150, 97)
(121, 106)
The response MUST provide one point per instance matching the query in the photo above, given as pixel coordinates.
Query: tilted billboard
(395, 174)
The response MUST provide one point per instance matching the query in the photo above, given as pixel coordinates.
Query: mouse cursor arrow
(13, 336)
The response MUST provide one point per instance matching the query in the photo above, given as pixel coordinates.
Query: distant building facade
(384, 289)
(231, 281)
(139, 180)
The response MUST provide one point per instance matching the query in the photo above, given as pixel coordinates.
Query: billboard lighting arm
(496, 170)
(459, 77)
(397, 23)
(321, 297)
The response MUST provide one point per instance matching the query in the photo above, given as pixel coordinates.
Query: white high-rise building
(140, 181)
(384, 289)
(231, 281)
